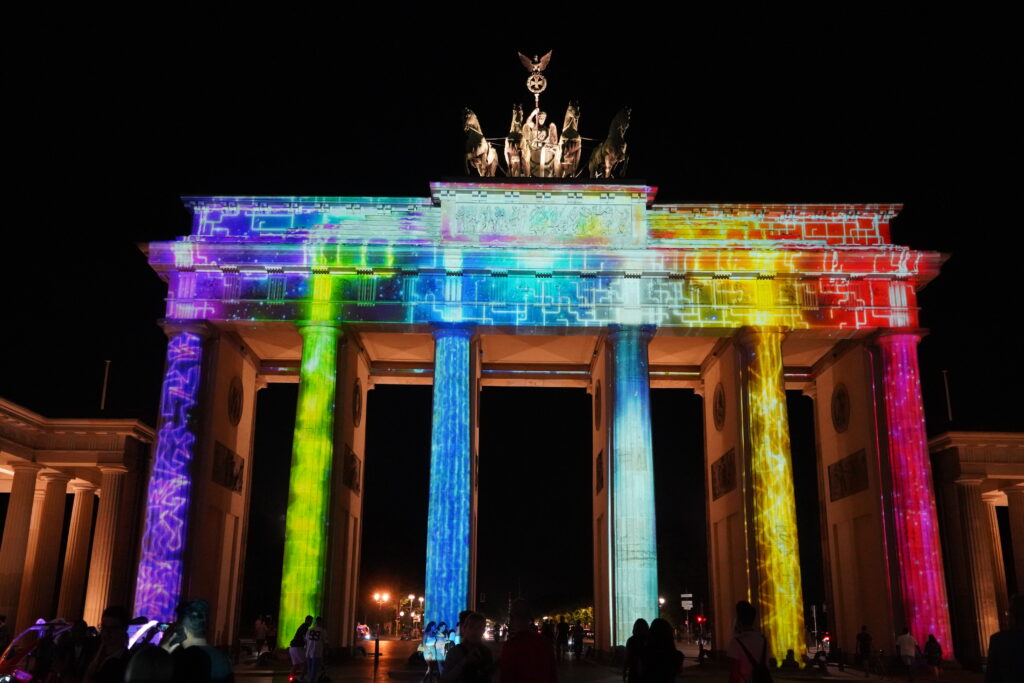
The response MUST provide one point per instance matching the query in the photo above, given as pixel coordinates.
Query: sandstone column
(1015, 506)
(37, 593)
(98, 592)
(998, 565)
(15, 540)
(76, 558)
(977, 549)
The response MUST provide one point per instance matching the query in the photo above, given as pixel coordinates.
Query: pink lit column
(920, 578)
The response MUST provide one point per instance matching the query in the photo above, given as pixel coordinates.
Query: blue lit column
(635, 553)
(169, 491)
(448, 515)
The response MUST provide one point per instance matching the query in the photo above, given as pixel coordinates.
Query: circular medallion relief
(840, 407)
(598, 408)
(357, 402)
(235, 399)
(718, 407)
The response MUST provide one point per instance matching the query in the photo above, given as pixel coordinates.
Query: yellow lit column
(765, 427)
(977, 542)
(72, 584)
(15, 541)
(37, 594)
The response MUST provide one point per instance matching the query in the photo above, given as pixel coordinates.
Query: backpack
(759, 670)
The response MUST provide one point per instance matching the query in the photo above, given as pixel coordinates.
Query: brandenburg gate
(544, 284)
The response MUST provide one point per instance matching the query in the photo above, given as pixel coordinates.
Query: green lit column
(309, 488)
(632, 465)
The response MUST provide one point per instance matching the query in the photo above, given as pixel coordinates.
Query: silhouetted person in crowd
(864, 648)
(259, 633)
(631, 670)
(933, 655)
(108, 665)
(660, 661)
(196, 660)
(150, 664)
(561, 637)
(1006, 648)
(297, 647)
(75, 650)
(547, 631)
(907, 648)
(470, 661)
(577, 639)
(315, 638)
(790, 660)
(748, 648)
(5, 633)
(526, 657)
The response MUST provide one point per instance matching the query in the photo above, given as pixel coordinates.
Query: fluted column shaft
(37, 593)
(72, 584)
(998, 566)
(977, 549)
(449, 508)
(16, 534)
(1015, 507)
(921, 577)
(103, 545)
(766, 425)
(632, 477)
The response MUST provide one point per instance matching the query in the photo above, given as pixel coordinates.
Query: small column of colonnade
(773, 559)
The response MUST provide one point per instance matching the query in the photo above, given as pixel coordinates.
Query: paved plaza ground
(394, 654)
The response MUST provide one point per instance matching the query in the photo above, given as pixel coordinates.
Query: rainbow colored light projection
(540, 259)
(632, 471)
(309, 488)
(913, 499)
(448, 514)
(778, 557)
(158, 585)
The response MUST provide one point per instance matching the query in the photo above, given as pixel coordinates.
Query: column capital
(646, 332)
(969, 480)
(302, 325)
(441, 329)
(1016, 490)
(25, 466)
(56, 477)
(749, 333)
(173, 326)
(83, 487)
(892, 335)
(112, 469)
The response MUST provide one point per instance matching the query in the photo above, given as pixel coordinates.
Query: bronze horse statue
(570, 144)
(608, 156)
(479, 152)
(514, 144)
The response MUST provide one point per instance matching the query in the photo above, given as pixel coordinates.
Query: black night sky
(113, 125)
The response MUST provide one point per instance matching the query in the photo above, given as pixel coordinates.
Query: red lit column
(15, 542)
(920, 578)
(76, 558)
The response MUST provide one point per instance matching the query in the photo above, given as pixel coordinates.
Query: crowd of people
(80, 654)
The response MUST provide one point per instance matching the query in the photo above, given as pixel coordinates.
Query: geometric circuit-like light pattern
(922, 580)
(780, 594)
(448, 512)
(309, 487)
(632, 471)
(158, 584)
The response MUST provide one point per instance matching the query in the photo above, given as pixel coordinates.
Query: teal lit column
(448, 514)
(635, 553)
(309, 488)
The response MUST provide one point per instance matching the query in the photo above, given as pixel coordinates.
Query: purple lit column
(158, 586)
(920, 577)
